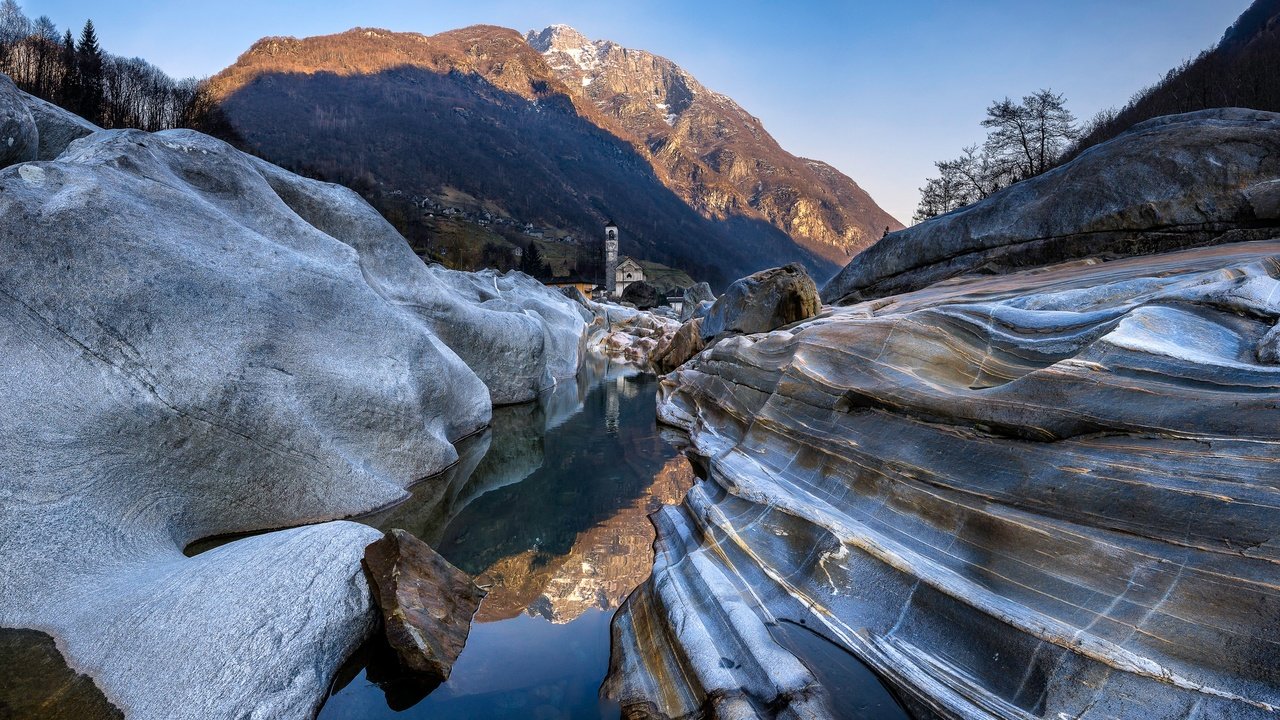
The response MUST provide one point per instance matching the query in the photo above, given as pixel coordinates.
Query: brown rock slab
(426, 603)
(684, 344)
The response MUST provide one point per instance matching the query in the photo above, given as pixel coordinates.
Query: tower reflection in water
(549, 511)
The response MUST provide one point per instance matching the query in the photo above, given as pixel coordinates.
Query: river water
(549, 511)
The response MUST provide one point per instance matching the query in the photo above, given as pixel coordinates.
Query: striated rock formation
(1047, 493)
(198, 343)
(426, 603)
(1168, 183)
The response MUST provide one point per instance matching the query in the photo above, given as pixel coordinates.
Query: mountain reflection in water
(549, 510)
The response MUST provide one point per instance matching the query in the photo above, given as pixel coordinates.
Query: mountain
(710, 151)
(1240, 71)
(497, 130)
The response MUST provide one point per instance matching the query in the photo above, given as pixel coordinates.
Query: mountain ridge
(481, 112)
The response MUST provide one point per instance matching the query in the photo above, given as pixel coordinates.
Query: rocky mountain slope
(521, 130)
(1025, 468)
(713, 153)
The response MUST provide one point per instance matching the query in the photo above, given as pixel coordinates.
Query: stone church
(618, 272)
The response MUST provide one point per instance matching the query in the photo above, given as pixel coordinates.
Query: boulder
(1171, 182)
(574, 294)
(684, 344)
(642, 295)
(694, 296)
(58, 128)
(426, 603)
(515, 366)
(228, 348)
(19, 137)
(762, 302)
(628, 334)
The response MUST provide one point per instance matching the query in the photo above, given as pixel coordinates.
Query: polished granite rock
(198, 343)
(1051, 493)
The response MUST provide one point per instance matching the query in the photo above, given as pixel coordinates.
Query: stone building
(627, 272)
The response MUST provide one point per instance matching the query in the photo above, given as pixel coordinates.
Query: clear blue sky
(878, 89)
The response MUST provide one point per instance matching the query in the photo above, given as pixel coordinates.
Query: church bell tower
(610, 258)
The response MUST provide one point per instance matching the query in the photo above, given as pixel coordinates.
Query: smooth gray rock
(762, 302)
(1045, 494)
(19, 137)
(58, 128)
(516, 334)
(498, 347)
(694, 296)
(199, 343)
(1171, 182)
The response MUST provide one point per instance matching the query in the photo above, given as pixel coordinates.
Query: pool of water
(549, 511)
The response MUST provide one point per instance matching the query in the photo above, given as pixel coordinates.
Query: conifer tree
(89, 63)
(69, 87)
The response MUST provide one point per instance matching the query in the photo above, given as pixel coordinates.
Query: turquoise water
(549, 511)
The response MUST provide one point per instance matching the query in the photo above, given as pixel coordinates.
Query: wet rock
(38, 685)
(19, 138)
(763, 302)
(642, 295)
(426, 603)
(694, 296)
(684, 344)
(1171, 182)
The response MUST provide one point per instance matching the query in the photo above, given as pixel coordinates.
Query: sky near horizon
(878, 89)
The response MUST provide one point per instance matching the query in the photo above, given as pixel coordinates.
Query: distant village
(431, 207)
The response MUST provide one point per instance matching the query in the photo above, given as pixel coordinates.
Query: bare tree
(1024, 139)
(1027, 138)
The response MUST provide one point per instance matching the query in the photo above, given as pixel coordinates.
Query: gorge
(261, 460)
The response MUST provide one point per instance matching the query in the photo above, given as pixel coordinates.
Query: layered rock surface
(199, 343)
(1048, 493)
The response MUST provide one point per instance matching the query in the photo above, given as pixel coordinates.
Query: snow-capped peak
(557, 37)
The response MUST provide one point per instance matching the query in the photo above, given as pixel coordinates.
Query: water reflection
(549, 511)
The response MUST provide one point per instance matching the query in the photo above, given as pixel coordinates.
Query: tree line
(109, 91)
